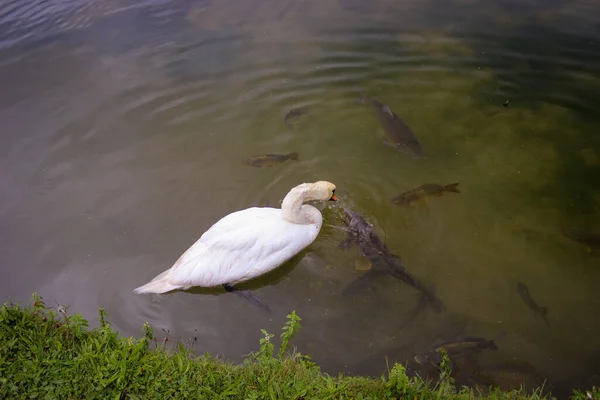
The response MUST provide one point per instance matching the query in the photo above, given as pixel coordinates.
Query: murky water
(124, 126)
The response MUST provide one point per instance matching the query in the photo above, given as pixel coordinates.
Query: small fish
(524, 293)
(582, 236)
(269, 160)
(399, 134)
(505, 104)
(294, 113)
(428, 189)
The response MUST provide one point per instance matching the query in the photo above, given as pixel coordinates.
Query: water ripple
(139, 115)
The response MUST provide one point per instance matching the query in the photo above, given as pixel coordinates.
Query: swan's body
(247, 243)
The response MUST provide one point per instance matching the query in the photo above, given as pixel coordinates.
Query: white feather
(242, 245)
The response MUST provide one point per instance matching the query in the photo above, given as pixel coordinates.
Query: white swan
(247, 243)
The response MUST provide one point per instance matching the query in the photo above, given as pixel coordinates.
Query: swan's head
(321, 190)
(293, 210)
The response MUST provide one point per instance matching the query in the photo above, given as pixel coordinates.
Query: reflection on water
(125, 126)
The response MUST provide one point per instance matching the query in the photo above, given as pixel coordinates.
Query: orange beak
(333, 198)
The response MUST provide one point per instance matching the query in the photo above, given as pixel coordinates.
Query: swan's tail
(160, 284)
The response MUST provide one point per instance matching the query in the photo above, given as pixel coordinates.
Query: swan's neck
(294, 211)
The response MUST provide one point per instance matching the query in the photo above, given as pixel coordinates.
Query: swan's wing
(239, 247)
(238, 220)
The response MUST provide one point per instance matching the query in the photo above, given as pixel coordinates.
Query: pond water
(125, 123)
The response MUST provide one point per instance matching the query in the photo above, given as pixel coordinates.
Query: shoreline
(47, 353)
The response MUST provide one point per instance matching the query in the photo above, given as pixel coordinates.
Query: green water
(125, 127)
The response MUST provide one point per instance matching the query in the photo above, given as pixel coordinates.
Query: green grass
(48, 354)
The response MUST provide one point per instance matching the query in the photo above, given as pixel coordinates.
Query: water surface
(125, 124)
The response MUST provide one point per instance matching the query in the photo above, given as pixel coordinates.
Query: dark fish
(399, 134)
(294, 113)
(465, 348)
(582, 236)
(505, 104)
(509, 376)
(434, 359)
(461, 344)
(428, 189)
(269, 160)
(360, 232)
(524, 293)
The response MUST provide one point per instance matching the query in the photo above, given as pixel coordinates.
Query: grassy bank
(46, 353)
